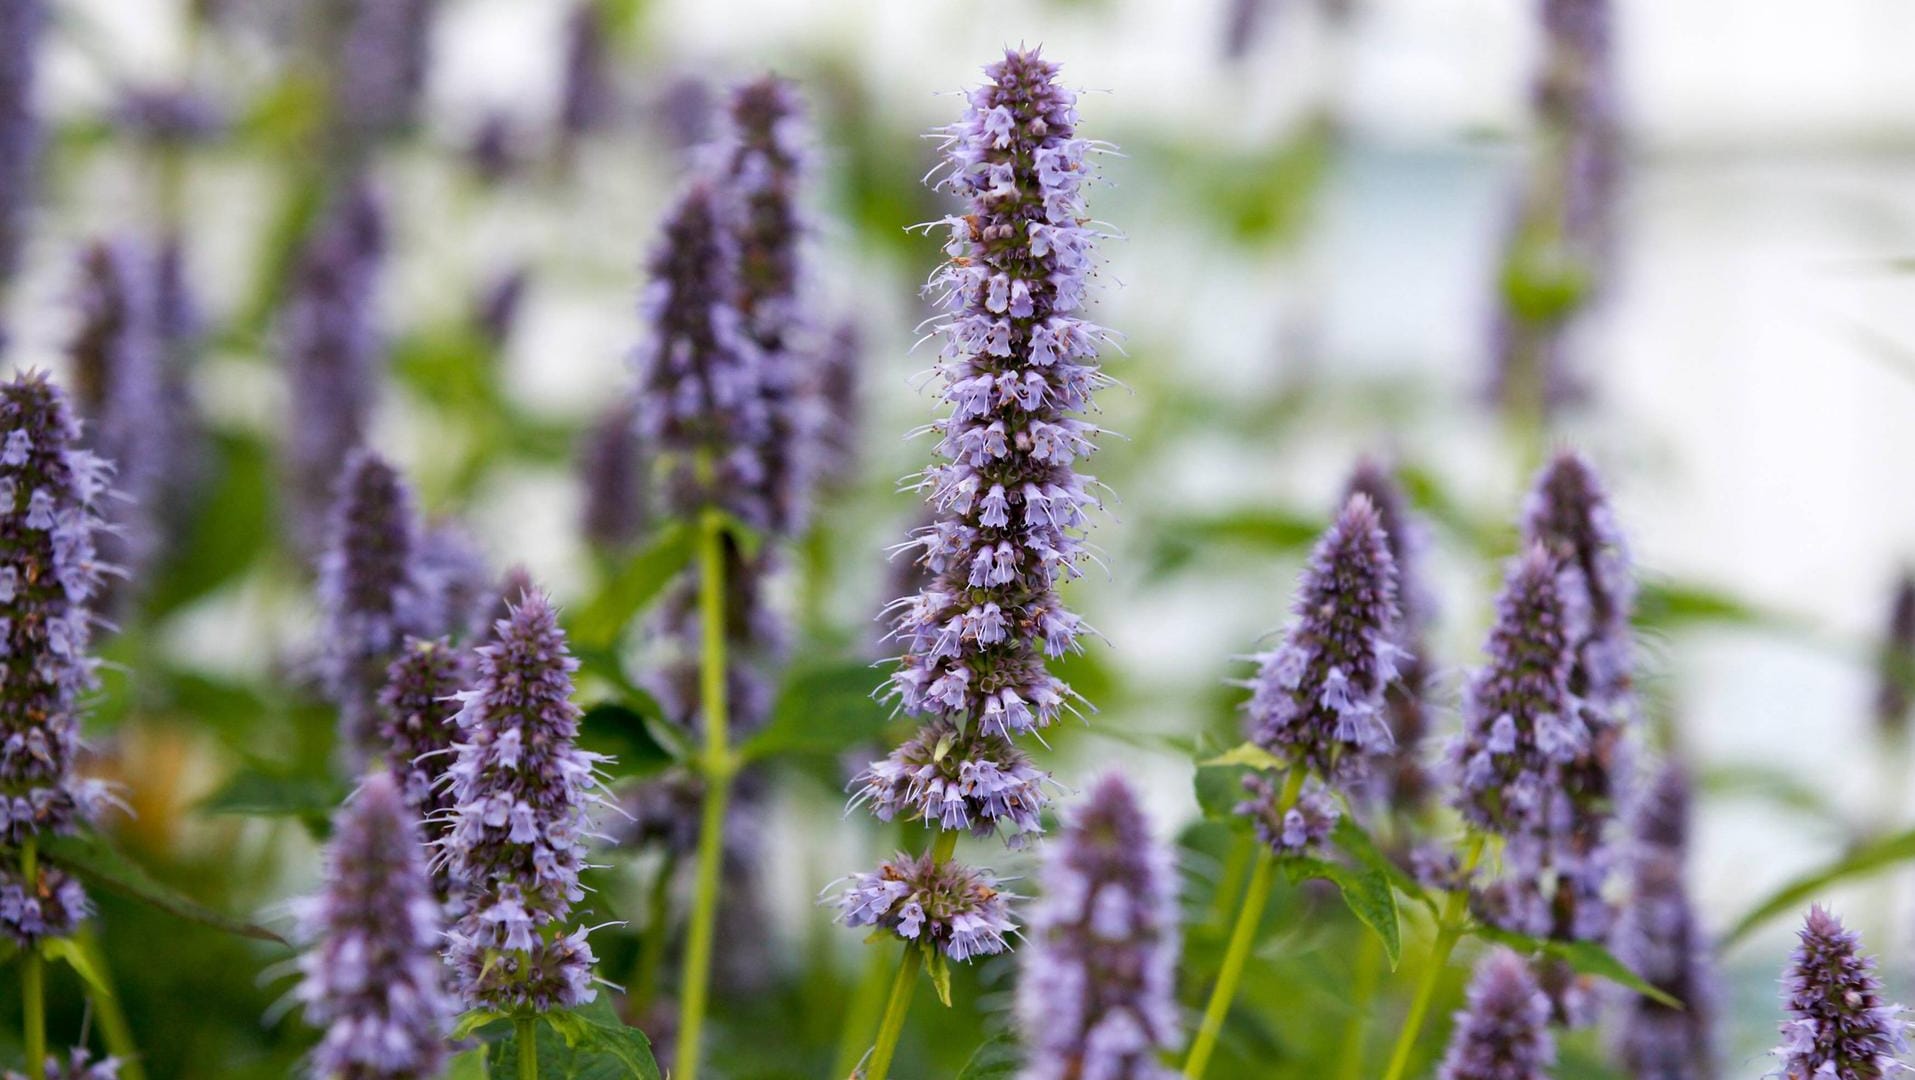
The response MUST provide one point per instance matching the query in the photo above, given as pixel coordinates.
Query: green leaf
(822, 710)
(936, 966)
(997, 1058)
(587, 1043)
(99, 862)
(626, 736)
(1247, 753)
(67, 951)
(1669, 605)
(1586, 957)
(1357, 843)
(1772, 784)
(474, 1019)
(1871, 857)
(640, 582)
(468, 1065)
(1365, 891)
(265, 791)
(1258, 529)
(1219, 788)
(227, 530)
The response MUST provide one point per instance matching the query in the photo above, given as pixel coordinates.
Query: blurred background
(1315, 198)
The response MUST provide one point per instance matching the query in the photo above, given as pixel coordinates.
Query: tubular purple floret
(1839, 1027)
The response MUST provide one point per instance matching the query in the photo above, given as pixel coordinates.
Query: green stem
(528, 1029)
(651, 956)
(1449, 929)
(906, 983)
(1368, 965)
(717, 769)
(1230, 882)
(114, 1030)
(1255, 897)
(863, 1013)
(33, 979)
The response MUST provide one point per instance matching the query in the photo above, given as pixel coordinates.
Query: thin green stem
(1256, 897)
(1449, 930)
(894, 1012)
(863, 1013)
(1230, 882)
(1369, 965)
(114, 1030)
(717, 769)
(33, 979)
(528, 1031)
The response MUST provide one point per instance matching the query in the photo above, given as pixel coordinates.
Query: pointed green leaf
(1586, 957)
(1871, 857)
(262, 790)
(1219, 788)
(626, 737)
(822, 710)
(468, 1065)
(67, 951)
(99, 862)
(1365, 891)
(939, 969)
(1357, 843)
(642, 579)
(474, 1019)
(1247, 753)
(997, 1058)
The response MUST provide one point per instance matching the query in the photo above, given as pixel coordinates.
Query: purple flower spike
(513, 587)
(1897, 660)
(766, 154)
(332, 345)
(1520, 722)
(380, 73)
(50, 496)
(1018, 365)
(372, 975)
(78, 1065)
(1098, 996)
(453, 577)
(957, 909)
(984, 784)
(837, 397)
(522, 795)
(52, 907)
(417, 708)
(370, 593)
(1403, 781)
(1839, 1027)
(701, 400)
(1317, 699)
(496, 310)
(612, 471)
(175, 115)
(1660, 939)
(1504, 1033)
(586, 98)
(22, 24)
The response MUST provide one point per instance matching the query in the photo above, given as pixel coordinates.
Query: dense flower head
(331, 339)
(1897, 660)
(1317, 699)
(417, 707)
(512, 588)
(1504, 1033)
(1520, 721)
(77, 1065)
(701, 405)
(372, 976)
(1660, 939)
(522, 796)
(22, 24)
(51, 491)
(985, 784)
(1017, 367)
(1097, 997)
(370, 593)
(766, 152)
(1403, 781)
(1289, 830)
(612, 472)
(1839, 1028)
(117, 358)
(958, 909)
(54, 906)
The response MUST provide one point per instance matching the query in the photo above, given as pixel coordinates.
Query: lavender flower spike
(1839, 1027)
(1098, 992)
(1660, 939)
(1317, 699)
(22, 23)
(522, 795)
(416, 730)
(369, 593)
(1897, 661)
(1504, 1034)
(78, 1065)
(611, 470)
(958, 910)
(50, 497)
(701, 408)
(331, 340)
(373, 978)
(766, 154)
